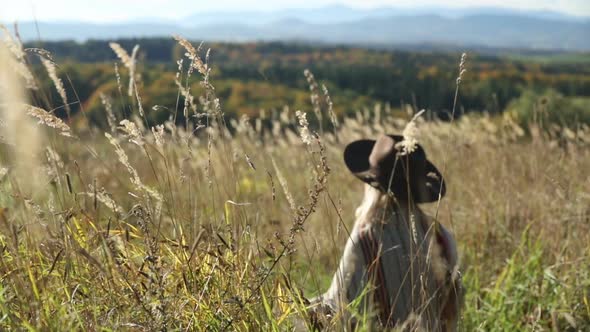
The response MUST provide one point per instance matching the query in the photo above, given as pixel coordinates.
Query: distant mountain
(482, 27)
(340, 14)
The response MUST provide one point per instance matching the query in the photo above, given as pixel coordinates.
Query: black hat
(384, 165)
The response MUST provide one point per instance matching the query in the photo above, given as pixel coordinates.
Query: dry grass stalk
(105, 198)
(314, 95)
(333, 117)
(193, 54)
(107, 102)
(57, 82)
(18, 130)
(133, 133)
(133, 75)
(123, 159)
(118, 76)
(19, 63)
(196, 63)
(121, 54)
(304, 127)
(158, 132)
(128, 61)
(55, 164)
(49, 120)
(189, 99)
(410, 134)
(42, 53)
(284, 185)
(13, 44)
(462, 69)
(139, 103)
(135, 179)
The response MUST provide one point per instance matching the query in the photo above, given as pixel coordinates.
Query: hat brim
(356, 158)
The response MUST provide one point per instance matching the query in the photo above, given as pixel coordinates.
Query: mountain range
(388, 26)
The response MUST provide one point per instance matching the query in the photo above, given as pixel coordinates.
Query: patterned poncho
(398, 268)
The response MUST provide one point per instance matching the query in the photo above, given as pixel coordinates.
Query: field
(230, 224)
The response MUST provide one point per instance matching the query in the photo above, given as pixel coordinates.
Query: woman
(398, 268)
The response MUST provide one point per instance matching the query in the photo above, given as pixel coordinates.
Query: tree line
(251, 77)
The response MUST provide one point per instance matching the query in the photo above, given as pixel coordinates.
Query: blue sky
(119, 10)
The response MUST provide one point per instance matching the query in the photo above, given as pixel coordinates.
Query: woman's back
(395, 267)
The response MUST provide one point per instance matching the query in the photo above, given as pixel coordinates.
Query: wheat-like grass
(17, 129)
(135, 179)
(129, 61)
(133, 133)
(314, 96)
(107, 102)
(303, 127)
(106, 199)
(49, 120)
(192, 54)
(410, 134)
(328, 100)
(18, 64)
(285, 186)
(57, 82)
(158, 132)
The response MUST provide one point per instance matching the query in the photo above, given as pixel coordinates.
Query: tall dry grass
(231, 226)
(19, 136)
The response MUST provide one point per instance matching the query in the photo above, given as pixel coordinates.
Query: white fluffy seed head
(304, 127)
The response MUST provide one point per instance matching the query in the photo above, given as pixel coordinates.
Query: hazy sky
(116, 10)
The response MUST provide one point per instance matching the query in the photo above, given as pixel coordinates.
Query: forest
(251, 78)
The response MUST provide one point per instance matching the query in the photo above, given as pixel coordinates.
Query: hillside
(252, 77)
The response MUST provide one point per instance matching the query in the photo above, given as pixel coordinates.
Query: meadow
(231, 224)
